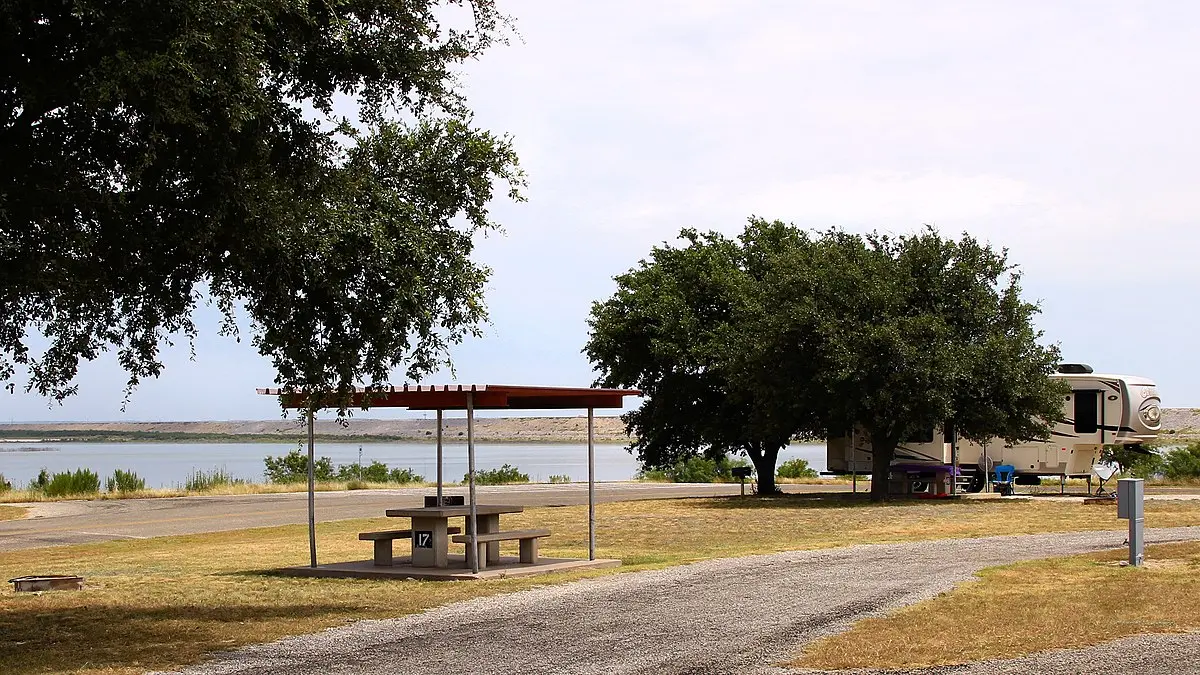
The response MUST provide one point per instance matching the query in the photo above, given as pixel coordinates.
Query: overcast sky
(1065, 131)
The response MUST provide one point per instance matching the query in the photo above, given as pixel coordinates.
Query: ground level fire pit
(47, 582)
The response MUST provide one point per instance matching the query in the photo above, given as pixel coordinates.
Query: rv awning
(486, 397)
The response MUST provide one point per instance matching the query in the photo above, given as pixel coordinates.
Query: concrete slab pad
(509, 566)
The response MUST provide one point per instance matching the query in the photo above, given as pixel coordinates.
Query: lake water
(169, 464)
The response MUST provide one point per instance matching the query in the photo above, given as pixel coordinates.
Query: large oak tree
(743, 345)
(676, 329)
(158, 153)
(905, 334)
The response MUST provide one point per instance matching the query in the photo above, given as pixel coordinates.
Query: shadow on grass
(823, 500)
(39, 639)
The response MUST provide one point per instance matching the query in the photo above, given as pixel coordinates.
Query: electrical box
(1130, 498)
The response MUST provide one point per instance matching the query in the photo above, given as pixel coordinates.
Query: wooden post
(312, 496)
(439, 457)
(591, 487)
(472, 522)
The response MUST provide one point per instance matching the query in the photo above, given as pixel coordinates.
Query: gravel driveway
(739, 615)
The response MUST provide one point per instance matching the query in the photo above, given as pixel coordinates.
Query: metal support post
(312, 496)
(591, 486)
(440, 502)
(472, 521)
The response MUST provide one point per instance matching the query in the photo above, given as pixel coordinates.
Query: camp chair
(1004, 481)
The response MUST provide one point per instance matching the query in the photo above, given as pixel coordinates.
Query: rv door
(1087, 412)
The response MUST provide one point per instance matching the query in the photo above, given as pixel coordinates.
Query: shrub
(559, 478)
(201, 481)
(694, 470)
(404, 476)
(654, 475)
(293, 468)
(375, 472)
(796, 468)
(125, 481)
(1131, 462)
(502, 476)
(1184, 462)
(725, 467)
(5, 485)
(356, 485)
(77, 482)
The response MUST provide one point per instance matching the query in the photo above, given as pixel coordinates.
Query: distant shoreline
(547, 430)
(1179, 425)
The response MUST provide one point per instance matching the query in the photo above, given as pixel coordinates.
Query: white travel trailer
(1100, 410)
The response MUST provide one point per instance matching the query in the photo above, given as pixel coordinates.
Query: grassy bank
(165, 602)
(1061, 603)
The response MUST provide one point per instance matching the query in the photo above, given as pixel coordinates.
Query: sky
(1063, 131)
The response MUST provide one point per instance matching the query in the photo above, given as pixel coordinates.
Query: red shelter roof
(486, 397)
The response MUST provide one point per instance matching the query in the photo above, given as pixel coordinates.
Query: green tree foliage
(904, 334)
(742, 345)
(160, 153)
(293, 468)
(673, 330)
(796, 468)
(1183, 463)
(1133, 461)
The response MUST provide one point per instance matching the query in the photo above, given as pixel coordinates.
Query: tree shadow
(37, 639)
(819, 500)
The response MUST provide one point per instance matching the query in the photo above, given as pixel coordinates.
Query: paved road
(741, 615)
(77, 522)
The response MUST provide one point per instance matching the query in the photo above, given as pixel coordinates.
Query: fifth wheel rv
(1100, 410)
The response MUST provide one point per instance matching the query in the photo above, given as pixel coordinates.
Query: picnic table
(430, 530)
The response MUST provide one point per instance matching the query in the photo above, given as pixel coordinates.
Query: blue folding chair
(1005, 480)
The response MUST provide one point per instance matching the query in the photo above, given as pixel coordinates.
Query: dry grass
(165, 602)
(1061, 603)
(11, 512)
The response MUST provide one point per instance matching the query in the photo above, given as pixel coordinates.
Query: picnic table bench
(430, 545)
(528, 541)
(383, 542)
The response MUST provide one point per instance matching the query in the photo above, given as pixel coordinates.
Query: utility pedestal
(1130, 501)
(741, 473)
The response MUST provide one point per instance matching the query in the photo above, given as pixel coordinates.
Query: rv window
(1087, 404)
(922, 436)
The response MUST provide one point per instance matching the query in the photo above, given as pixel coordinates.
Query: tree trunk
(882, 452)
(764, 459)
